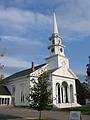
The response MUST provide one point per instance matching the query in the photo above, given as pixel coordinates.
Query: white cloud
(22, 41)
(79, 71)
(22, 27)
(18, 18)
(14, 62)
(74, 16)
(80, 74)
(82, 26)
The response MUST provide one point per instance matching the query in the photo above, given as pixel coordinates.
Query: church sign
(75, 115)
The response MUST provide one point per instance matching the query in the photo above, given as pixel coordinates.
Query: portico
(5, 96)
(64, 93)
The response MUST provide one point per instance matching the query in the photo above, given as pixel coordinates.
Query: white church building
(61, 77)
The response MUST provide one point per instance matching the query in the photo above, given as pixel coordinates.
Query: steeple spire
(55, 28)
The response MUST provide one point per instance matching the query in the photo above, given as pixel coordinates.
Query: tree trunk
(40, 115)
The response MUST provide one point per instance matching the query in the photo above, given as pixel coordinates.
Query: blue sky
(26, 25)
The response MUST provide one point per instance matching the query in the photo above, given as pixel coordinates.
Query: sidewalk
(24, 114)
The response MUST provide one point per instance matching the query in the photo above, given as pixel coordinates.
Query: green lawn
(85, 109)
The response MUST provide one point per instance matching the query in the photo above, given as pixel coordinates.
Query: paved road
(24, 114)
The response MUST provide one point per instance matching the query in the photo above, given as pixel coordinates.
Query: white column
(56, 93)
(64, 96)
(74, 93)
(1, 101)
(4, 101)
(10, 101)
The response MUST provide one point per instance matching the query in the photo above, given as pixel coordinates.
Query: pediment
(65, 72)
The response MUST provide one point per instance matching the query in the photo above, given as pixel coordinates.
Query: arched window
(22, 93)
(71, 94)
(65, 92)
(58, 92)
(22, 96)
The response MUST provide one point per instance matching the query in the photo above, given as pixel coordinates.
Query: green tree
(2, 81)
(40, 97)
(82, 92)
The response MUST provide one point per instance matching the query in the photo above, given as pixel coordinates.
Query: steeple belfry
(55, 28)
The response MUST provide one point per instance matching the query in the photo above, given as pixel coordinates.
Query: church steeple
(56, 56)
(55, 46)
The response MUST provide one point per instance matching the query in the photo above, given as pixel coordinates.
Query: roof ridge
(23, 72)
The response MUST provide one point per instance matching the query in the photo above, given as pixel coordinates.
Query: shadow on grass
(6, 117)
(83, 108)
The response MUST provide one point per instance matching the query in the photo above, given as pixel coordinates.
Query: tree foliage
(40, 96)
(82, 92)
(2, 81)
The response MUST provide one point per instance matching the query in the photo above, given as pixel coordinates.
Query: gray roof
(4, 90)
(23, 73)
